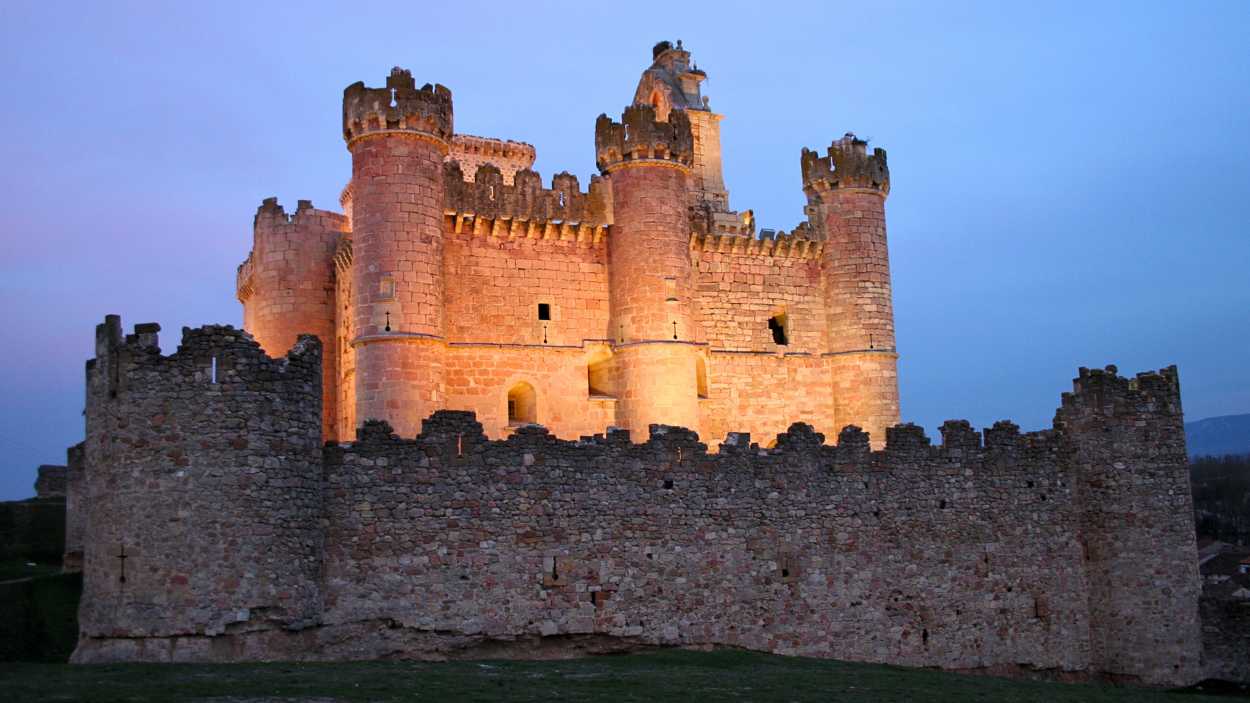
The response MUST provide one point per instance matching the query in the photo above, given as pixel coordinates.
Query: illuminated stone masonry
(453, 427)
(457, 278)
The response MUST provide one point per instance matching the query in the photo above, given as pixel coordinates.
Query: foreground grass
(653, 677)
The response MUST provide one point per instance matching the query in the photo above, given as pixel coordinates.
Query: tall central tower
(398, 137)
(651, 282)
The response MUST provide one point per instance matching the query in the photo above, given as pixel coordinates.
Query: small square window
(544, 311)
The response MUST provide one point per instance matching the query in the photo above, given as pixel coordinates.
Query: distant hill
(1217, 436)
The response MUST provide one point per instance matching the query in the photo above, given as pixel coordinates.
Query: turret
(398, 137)
(651, 279)
(846, 191)
(286, 285)
(202, 489)
(1125, 440)
(673, 83)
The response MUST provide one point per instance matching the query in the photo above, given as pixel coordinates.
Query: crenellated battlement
(796, 244)
(272, 218)
(488, 148)
(846, 164)
(211, 357)
(640, 136)
(906, 445)
(399, 107)
(488, 205)
(471, 152)
(1105, 392)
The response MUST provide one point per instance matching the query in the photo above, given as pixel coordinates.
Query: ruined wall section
(1225, 638)
(76, 508)
(288, 286)
(1128, 449)
(961, 556)
(203, 477)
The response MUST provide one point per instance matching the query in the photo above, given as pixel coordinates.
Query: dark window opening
(777, 324)
(785, 573)
(544, 311)
(924, 636)
(942, 504)
(668, 484)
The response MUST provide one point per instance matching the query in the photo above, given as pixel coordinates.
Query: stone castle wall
(203, 492)
(657, 301)
(246, 539)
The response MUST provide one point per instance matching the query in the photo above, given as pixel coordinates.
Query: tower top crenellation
(641, 136)
(400, 106)
(847, 164)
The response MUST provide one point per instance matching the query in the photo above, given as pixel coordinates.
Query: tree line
(1221, 486)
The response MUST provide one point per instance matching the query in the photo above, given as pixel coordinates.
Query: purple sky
(1071, 185)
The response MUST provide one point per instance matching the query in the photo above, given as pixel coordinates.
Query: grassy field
(668, 675)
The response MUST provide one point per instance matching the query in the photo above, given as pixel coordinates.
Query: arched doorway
(522, 404)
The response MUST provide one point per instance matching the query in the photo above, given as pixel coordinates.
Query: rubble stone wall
(203, 478)
(246, 539)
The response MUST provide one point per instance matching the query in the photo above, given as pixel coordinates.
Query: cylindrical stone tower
(654, 327)
(398, 137)
(287, 287)
(846, 192)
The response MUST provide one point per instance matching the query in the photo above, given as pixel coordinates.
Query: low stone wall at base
(33, 530)
(1225, 638)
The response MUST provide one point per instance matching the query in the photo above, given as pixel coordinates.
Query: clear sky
(1071, 181)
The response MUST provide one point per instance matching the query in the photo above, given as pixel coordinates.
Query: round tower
(287, 286)
(654, 328)
(398, 137)
(846, 192)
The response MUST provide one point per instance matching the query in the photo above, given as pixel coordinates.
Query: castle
(455, 280)
(442, 316)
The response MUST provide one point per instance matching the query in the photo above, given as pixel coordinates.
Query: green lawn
(668, 675)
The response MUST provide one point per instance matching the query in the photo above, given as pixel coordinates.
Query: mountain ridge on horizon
(1218, 436)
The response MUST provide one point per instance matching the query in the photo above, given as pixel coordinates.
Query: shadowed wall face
(449, 544)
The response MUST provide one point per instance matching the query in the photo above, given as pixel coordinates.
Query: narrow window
(213, 371)
(561, 198)
(386, 288)
(700, 377)
(544, 311)
(670, 290)
(777, 324)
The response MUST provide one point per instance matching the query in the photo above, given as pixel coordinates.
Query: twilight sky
(1070, 184)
